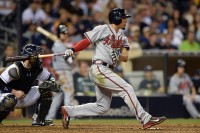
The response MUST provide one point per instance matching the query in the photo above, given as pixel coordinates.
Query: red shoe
(65, 118)
(154, 121)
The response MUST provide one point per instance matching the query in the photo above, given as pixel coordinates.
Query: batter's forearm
(83, 44)
(124, 55)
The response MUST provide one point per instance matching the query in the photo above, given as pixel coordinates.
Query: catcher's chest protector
(26, 79)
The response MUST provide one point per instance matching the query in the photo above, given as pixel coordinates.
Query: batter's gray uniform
(63, 69)
(105, 39)
(182, 85)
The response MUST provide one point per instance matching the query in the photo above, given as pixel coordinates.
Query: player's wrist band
(73, 49)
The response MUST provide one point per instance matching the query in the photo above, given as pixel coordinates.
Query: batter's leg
(108, 79)
(101, 106)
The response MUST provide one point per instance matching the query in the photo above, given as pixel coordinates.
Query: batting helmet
(180, 63)
(32, 50)
(61, 29)
(115, 16)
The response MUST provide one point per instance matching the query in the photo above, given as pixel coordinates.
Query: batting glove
(114, 55)
(69, 52)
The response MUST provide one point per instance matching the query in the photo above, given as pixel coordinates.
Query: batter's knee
(103, 108)
(129, 89)
(8, 103)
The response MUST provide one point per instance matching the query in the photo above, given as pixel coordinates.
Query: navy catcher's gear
(45, 100)
(43, 106)
(32, 50)
(26, 78)
(50, 86)
(3, 115)
(115, 16)
(8, 103)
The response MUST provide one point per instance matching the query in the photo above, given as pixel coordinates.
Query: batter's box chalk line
(152, 128)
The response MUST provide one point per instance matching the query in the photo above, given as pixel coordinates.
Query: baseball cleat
(154, 121)
(49, 122)
(65, 118)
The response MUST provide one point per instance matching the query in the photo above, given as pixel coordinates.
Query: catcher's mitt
(50, 85)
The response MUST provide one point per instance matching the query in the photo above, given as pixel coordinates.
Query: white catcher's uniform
(33, 94)
(105, 38)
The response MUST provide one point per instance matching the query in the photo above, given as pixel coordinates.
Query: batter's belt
(100, 62)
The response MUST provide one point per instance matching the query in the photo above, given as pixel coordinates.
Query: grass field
(102, 126)
(107, 121)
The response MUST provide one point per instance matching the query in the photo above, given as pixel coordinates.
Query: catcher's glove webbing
(50, 85)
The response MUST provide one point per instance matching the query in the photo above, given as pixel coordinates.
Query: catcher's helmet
(61, 29)
(180, 63)
(32, 50)
(115, 16)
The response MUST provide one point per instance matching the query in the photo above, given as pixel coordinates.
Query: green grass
(106, 121)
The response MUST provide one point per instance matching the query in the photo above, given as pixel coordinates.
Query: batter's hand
(69, 52)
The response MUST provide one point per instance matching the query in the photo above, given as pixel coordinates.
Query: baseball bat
(47, 34)
(22, 58)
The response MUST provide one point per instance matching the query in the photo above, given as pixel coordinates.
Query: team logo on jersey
(184, 85)
(115, 43)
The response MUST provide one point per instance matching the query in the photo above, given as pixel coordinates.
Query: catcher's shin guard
(43, 108)
(8, 102)
(3, 115)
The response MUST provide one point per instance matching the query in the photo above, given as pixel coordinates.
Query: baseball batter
(18, 90)
(62, 66)
(110, 46)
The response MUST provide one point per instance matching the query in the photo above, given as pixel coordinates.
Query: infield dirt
(100, 128)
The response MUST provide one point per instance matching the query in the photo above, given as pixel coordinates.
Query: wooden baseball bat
(47, 34)
(22, 58)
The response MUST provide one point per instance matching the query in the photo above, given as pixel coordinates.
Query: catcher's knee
(8, 103)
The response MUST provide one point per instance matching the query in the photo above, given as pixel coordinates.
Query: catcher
(18, 90)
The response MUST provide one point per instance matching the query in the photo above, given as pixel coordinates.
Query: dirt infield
(100, 128)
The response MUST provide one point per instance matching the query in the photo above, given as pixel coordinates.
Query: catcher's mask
(33, 50)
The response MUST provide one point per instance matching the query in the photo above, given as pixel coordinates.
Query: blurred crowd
(159, 24)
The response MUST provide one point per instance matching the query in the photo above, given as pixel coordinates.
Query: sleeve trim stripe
(3, 79)
(88, 37)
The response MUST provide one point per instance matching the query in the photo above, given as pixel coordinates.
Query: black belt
(100, 62)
